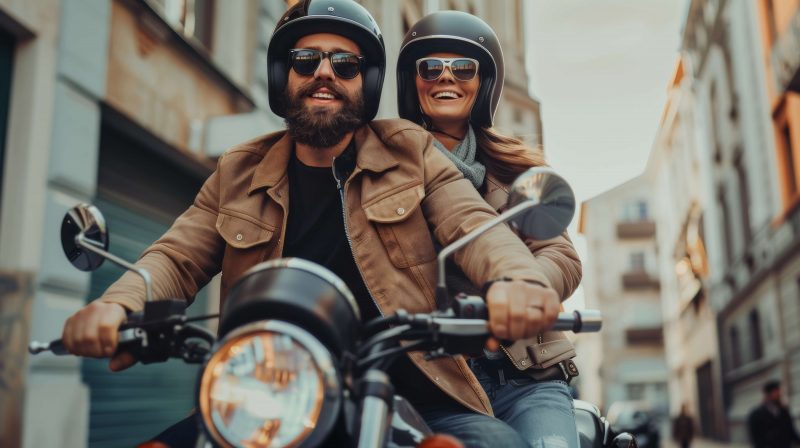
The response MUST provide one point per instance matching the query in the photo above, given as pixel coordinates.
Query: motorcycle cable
(383, 359)
(197, 318)
(384, 336)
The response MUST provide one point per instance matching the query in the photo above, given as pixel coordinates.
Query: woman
(450, 77)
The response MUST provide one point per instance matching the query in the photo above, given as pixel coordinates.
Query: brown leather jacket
(400, 186)
(559, 262)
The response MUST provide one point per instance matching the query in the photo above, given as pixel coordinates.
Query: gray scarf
(463, 155)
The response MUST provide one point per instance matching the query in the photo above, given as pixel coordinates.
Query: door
(6, 68)
(707, 403)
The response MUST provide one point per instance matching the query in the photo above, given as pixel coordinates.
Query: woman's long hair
(506, 157)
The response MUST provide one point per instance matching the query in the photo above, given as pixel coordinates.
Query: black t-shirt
(315, 231)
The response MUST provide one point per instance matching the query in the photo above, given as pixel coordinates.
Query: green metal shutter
(129, 407)
(6, 68)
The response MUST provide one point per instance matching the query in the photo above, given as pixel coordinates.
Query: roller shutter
(140, 195)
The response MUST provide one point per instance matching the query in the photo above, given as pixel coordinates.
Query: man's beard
(319, 126)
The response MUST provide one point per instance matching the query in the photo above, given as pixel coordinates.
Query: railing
(636, 229)
(640, 280)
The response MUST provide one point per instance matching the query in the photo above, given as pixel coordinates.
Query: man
(683, 427)
(355, 195)
(771, 424)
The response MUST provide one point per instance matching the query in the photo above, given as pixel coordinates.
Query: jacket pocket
(242, 233)
(402, 227)
(550, 353)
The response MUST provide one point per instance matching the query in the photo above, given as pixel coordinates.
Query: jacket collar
(371, 155)
(272, 167)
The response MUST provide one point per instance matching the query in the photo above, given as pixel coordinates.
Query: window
(518, 116)
(722, 202)
(635, 211)
(736, 351)
(757, 347)
(635, 391)
(637, 262)
(193, 18)
(772, 29)
(744, 196)
(787, 160)
(715, 127)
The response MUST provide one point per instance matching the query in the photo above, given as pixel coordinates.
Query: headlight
(269, 384)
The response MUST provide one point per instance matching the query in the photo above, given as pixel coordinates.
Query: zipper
(511, 358)
(342, 194)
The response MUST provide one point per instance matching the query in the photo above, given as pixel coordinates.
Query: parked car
(639, 418)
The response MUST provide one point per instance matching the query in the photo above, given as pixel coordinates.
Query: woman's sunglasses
(305, 62)
(431, 69)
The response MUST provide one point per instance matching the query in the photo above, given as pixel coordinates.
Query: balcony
(638, 280)
(786, 56)
(645, 336)
(636, 229)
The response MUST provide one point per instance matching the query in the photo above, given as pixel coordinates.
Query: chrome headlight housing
(269, 384)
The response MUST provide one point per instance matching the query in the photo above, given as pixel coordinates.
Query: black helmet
(343, 17)
(452, 32)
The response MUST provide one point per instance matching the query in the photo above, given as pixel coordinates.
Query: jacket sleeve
(453, 208)
(557, 259)
(183, 260)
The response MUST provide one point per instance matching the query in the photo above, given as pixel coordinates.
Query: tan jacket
(559, 262)
(401, 184)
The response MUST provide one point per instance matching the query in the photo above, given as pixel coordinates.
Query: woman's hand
(520, 310)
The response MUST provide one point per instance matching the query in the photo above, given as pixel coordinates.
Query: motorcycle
(292, 364)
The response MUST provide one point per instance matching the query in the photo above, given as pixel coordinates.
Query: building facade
(678, 174)
(621, 279)
(742, 76)
(127, 104)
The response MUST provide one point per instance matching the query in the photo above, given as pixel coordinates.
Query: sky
(600, 70)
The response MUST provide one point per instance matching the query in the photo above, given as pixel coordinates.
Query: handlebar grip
(584, 321)
(55, 346)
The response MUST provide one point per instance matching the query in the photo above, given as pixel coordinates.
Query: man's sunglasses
(431, 69)
(306, 61)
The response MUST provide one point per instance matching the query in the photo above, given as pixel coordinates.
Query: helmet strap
(427, 123)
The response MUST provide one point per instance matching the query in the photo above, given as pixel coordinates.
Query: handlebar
(160, 332)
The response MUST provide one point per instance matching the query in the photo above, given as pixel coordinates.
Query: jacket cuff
(488, 284)
(130, 304)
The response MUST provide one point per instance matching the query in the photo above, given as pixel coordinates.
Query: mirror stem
(87, 244)
(442, 298)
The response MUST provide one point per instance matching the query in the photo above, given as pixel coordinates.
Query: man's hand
(520, 310)
(92, 332)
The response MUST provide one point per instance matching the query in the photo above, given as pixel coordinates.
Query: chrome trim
(312, 268)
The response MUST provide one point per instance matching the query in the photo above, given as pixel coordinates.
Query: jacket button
(437, 379)
(523, 362)
(544, 352)
(239, 237)
(401, 211)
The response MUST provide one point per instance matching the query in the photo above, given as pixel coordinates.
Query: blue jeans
(542, 412)
(472, 429)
